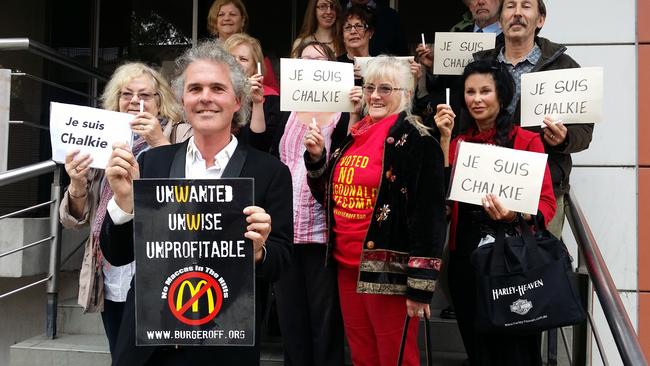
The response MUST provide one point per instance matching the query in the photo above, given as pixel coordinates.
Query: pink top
(309, 223)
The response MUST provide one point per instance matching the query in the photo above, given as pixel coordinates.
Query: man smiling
(215, 95)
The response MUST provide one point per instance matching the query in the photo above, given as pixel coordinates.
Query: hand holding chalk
(554, 132)
(444, 119)
(314, 142)
(424, 55)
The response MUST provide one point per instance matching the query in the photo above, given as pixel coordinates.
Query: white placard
(569, 95)
(362, 62)
(452, 51)
(90, 130)
(315, 86)
(515, 176)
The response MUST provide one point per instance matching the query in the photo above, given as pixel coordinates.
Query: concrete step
(65, 350)
(72, 320)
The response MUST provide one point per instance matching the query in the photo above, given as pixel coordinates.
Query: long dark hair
(505, 89)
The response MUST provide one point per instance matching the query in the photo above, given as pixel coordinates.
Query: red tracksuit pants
(374, 324)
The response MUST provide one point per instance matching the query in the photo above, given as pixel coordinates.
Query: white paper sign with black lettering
(567, 95)
(514, 176)
(452, 51)
(195, 272)
(91, 130)
(315, 85)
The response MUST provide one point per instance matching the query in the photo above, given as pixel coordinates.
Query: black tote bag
(524, 284)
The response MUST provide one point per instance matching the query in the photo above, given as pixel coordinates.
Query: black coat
(273, 192)
(401, 253)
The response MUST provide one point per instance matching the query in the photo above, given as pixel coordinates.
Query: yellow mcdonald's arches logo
(194, 291)
(193, 222)
(181, 193)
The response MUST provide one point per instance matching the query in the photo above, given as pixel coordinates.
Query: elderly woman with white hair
(384, 193)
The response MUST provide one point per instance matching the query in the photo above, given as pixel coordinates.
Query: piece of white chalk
(141, 105)
(447, 95)
(424, 44)
(313, 123)
(259, 68)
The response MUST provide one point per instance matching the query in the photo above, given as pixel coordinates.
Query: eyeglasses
(140, 96)
(360, 28)
(325, 7)
(383, 90)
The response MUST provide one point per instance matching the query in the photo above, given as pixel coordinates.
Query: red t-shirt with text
(355, 183)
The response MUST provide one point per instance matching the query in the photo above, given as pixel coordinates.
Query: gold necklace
(316, 39)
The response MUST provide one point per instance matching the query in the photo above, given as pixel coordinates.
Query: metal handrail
(25, 287)
(26, 44)
(29, 124)
(619, 323)
(15, 213)
(38, 242)
(53, 84)
(26, 172)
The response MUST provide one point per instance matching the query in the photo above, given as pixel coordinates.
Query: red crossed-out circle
(211, 284)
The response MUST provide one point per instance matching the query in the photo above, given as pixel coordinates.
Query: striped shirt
(309, 224)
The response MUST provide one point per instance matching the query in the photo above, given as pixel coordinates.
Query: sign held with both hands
(514, 176)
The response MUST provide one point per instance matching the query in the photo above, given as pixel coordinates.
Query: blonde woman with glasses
(383, 190)
(137, 89)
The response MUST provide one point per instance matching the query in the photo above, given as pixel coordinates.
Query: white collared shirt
(195, 163)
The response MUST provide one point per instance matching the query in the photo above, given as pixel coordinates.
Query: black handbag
(523, 283)
(427, 341)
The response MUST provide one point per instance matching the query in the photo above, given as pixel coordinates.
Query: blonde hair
(168, 106)
(385, 67)
(252, 43)
(213, 14)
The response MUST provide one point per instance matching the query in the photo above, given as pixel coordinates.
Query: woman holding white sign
(488, 89)
(384, 194)
(139, 90)
(307, 292)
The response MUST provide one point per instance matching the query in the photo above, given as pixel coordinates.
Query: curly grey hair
(212, 50)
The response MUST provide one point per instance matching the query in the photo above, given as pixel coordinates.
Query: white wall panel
(630, 301)
(614, 140)
(607, 197)
(590, 21)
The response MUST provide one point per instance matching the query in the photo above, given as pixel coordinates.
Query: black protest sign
(195, 273)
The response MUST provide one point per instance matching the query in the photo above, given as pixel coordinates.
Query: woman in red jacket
(488, 90)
